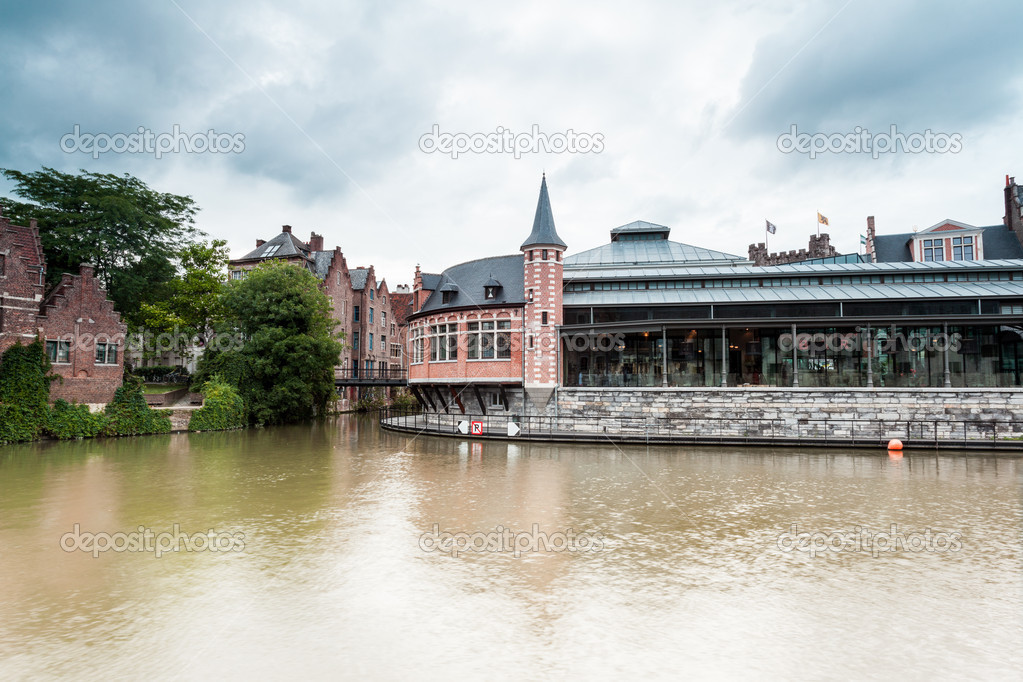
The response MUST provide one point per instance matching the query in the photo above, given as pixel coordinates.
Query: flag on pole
(863, 240)
(821, 219)
(771, 227)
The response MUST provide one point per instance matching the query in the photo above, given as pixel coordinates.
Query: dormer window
(962, 248)
(447, 292)
(490, 289)
(933, 249)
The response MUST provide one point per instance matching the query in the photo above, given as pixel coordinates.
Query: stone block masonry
(931, 414)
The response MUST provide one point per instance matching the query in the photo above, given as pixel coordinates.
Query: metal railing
(740, 430)
(394, 375)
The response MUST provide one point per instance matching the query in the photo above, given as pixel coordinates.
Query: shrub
(405, 401)
(66, 421)
(129, 414)
(24, 392)
(223, 408)
(369, 402)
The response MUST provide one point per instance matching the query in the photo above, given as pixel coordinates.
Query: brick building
(819, 247)
(83, 334)
(483, 336)
(360, 303)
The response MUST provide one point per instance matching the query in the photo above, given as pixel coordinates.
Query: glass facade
(883, 355)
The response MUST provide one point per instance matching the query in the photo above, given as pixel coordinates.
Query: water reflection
(333, 581)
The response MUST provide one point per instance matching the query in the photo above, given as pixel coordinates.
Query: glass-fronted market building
(646, 311)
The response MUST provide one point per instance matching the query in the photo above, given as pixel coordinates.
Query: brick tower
(543, 253)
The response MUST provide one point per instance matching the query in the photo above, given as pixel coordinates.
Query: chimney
(870, 240)
(315, 242)
(260, 242)
(85, 270)
(33, 223)
(286, 228)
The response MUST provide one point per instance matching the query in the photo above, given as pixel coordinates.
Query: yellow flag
(821, 219)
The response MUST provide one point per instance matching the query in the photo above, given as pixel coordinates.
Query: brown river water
(338, 551)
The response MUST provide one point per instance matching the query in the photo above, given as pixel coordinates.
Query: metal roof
(665, 252)
(581, 273)
(640, 226)
(849, 292)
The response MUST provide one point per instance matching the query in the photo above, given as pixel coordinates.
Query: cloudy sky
(325, 105)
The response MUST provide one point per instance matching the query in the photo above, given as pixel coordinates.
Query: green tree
(130, 232)
(290, 347)
(193, 303)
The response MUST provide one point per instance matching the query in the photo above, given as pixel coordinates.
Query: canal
(337, 550)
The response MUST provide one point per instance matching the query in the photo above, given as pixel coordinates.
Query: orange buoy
(895, 444)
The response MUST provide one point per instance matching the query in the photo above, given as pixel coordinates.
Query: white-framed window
(444, 343)
(383, 319)
(934, 249)
(417, 345)
(58, 351)
(487, 340)
(237, 274)
(495, 400)
(106, 353)
(962, 248)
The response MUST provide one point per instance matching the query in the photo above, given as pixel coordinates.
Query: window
(443, 343)
(543, 254)
(445, 296)
(489, 293)
(355, 313)
(933, 250)
(106, 353)
(371, 297)
(488, 340)
(355, 340)
(59, 352)
(962, 248)
(495, 400)
(417, 345)
(383, 342)
(3, 261)
(383, 319)
(371, 316)
(42, 276)
(395, 350)
(543, 317)
(371, 339)
(271, 251)
(237, 274)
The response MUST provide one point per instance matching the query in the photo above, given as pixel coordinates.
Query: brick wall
(78, 310)
(543, 281)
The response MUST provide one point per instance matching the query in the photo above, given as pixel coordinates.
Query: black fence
(379, 377)
(747, 431)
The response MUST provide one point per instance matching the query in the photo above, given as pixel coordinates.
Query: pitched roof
(281, 246)
(999, 243)
(321, 262)
(543, 233)
(468, 280)
(430, 280)
(25, 242)
(359, 277)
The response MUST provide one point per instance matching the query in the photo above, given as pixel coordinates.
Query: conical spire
(543, 233)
